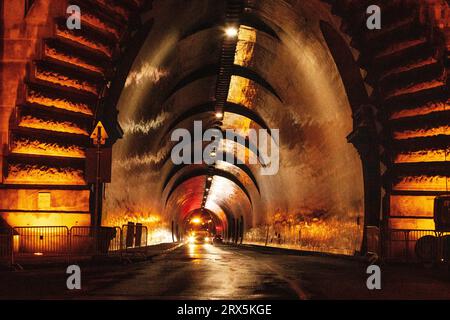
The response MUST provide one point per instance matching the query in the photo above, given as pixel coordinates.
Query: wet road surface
(202, 271)
(230, 272)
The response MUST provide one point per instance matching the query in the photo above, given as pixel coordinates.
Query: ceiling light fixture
(219, 115)
(231, 32)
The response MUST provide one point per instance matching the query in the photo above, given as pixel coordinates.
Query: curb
(92, 260)
(306, 253)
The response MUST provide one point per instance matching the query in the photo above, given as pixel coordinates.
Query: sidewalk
(47, 279)
(131, 255)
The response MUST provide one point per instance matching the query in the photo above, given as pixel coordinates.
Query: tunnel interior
(275, 73)
(284, 123)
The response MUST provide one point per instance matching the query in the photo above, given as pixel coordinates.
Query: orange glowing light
(51, 125)
(419, 133)
(411, 223)
(240, 123)
(422, 156)
(55, 54)
(245, 46)
(36, 147)
(423, 183)
(416, 88)
(34, 174)
(242, 91)
(196, 221)
(64, 80)
(100, 24)
(65, 33)
(418, 206)
(333, 235)
(53, 102)
(46, 219)
(159, 231)
(422, 110)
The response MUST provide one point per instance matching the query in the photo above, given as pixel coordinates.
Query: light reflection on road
(201, 271)
(204, 251)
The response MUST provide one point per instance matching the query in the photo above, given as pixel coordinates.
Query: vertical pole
(241, 234)
(11, 237)
(68, 243)
(97, 180)
(232, 230)
(236, 230)
(173, 237)
(407, 245)
(121, 243)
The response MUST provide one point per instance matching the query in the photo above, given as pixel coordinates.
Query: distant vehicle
(200, 237)
(218, 239)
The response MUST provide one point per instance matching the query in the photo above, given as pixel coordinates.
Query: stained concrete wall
(318, 202)
(169, 55)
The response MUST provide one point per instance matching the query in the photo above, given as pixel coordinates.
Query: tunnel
(204, 73)
(332, 135)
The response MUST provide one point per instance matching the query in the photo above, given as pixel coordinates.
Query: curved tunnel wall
(318, 192)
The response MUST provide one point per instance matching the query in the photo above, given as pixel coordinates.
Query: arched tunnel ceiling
(188, 197)
(222, 169)
(282, 77)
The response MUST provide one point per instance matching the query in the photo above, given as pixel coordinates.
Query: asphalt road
(203, 272)
(230, 272)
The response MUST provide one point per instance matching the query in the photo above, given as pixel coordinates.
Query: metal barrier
(401, 245)
(373, 240)
(142, 240)
(34, 242)
(134, 238)
(6, 246)
(20, 245)
(88, 241)
(23, 244)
